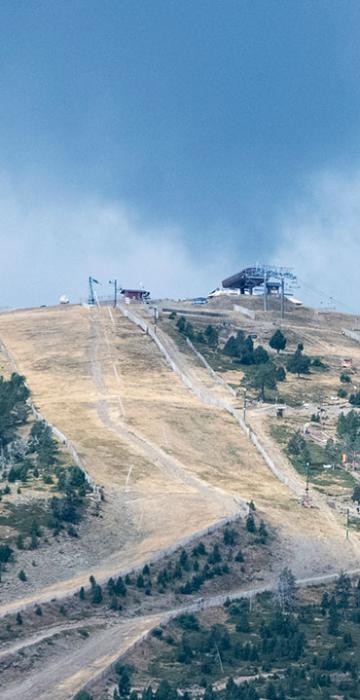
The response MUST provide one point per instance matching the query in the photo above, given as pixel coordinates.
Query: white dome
(64, 299)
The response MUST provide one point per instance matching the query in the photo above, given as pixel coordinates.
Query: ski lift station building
(135, 294)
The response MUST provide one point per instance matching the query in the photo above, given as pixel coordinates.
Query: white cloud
(320, 238)
(51, 243)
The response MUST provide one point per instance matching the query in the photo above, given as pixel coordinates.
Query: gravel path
(62, 678)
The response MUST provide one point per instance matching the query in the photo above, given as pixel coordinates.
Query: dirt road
(62, 678)
(120, 404)
(94, 386)
(172, 468)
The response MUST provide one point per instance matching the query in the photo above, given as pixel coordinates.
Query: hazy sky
(174, 142)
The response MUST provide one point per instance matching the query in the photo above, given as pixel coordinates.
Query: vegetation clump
(14, 408)
(278, 341)
(298, 363)
(187, 571)
(354, 399)
(30, 454)
(269, 649)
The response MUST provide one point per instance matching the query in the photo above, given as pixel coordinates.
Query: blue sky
(173, 142)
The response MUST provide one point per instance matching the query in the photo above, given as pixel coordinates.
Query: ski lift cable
(326, 295)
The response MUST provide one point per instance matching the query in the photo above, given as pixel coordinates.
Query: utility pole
(347, 523)
(114, 282)
(307, 480)
(156, 318)
(282, 297)
(219, 658)
(245, 406)
(265, 290)
(91, 292)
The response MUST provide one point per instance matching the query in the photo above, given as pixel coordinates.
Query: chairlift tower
(275, 278)
(269, 277)
(91, 299)
(115, 283)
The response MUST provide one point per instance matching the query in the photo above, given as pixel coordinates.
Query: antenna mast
(92, 281)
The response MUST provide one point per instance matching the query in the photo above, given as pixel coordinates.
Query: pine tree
(325, 602)
(111, 586)
(189, 331)
(181, 324)
(333, 624)
(343, 589)
(356, 494)
(357, 594)
(264, 377)
(298, 363)
(260, 356)
(83, 695)
(20, 541)
(124, 683)
(250, 523)
(96, 595)
(212, 336)
(271, 692)
(286, 589)
(120, 588)
(278, 341)
(263, 533)
(280, 374)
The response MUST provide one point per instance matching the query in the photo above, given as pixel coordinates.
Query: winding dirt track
(170, 466)
(207, 390)
(61, 679)
(197, 503)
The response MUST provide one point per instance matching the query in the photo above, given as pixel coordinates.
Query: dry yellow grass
(103, 383)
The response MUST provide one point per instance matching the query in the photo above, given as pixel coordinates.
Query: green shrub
(5, 553)
(355, 399)
(83, 695)
(280, 374)
(96, 595)
(318, 363)
(278, 341)
(250, 523)
(20, 542)
(187, 621)
(342, 393)
(181, 324)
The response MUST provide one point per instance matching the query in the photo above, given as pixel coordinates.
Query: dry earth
(169, 464)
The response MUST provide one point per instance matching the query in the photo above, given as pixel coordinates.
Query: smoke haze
(51, 242)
